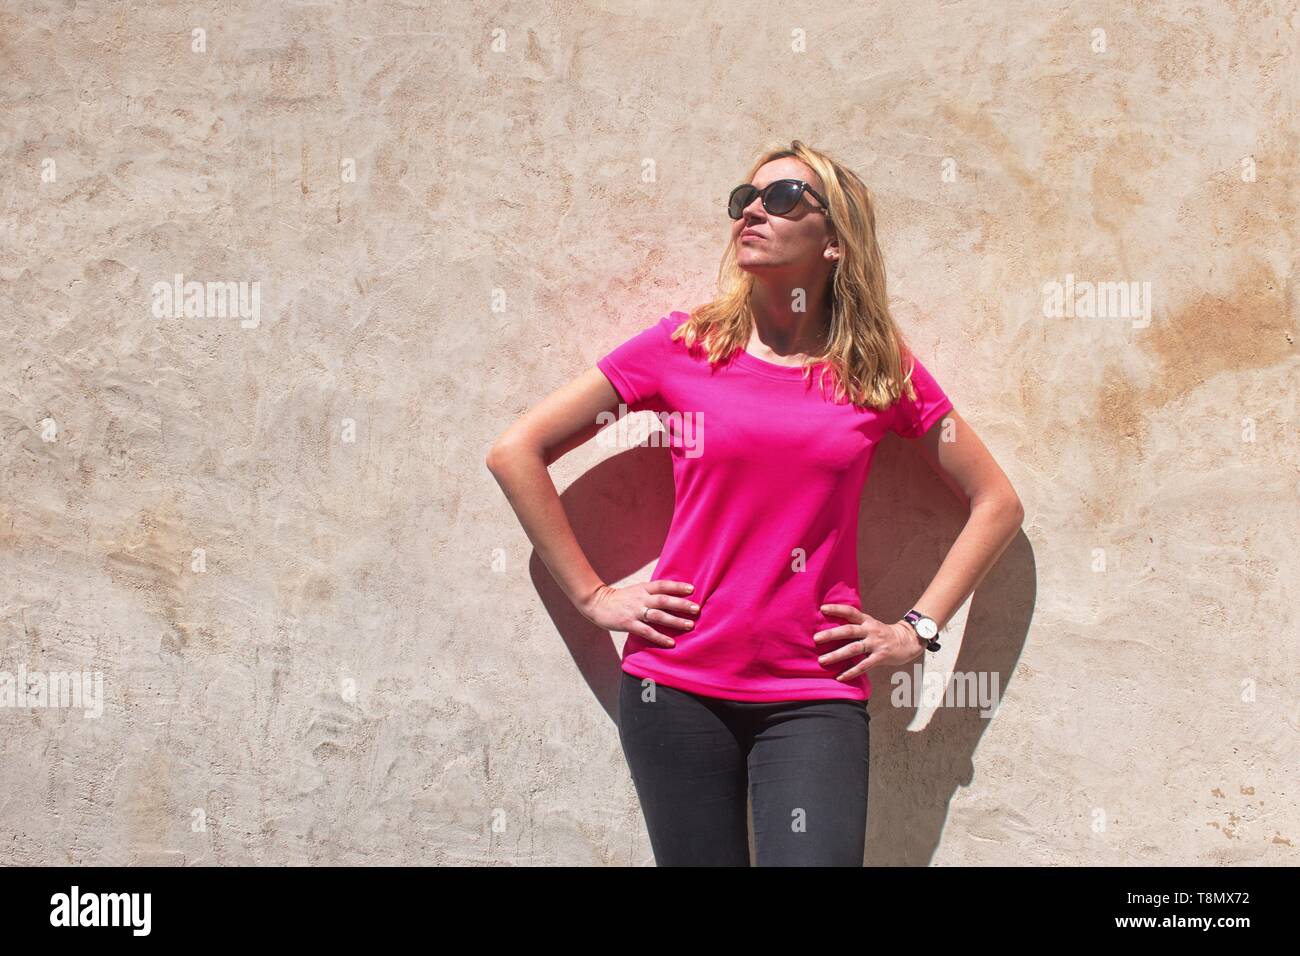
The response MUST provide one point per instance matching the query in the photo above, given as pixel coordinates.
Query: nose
(753, 213)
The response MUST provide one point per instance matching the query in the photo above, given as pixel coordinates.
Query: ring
(645, 609)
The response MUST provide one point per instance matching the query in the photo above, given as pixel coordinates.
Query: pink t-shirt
(768, 476)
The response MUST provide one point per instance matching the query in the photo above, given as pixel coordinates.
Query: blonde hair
(865, 349)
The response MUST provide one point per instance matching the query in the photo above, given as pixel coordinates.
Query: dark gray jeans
(694, 759)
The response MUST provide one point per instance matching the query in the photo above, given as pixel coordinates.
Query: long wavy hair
(865, 349)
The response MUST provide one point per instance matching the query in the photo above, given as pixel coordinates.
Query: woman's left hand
(881, 643)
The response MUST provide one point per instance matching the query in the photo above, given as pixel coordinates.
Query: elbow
(1016, 511)
(1003, 508)
(496, 455)
(505, 450)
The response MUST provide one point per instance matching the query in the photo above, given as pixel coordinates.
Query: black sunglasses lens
(781, 197)
(741, 197)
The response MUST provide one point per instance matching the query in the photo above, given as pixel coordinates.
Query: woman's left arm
(953, 449)
(957, 455)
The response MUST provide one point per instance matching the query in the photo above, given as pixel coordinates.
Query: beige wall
(364, 662)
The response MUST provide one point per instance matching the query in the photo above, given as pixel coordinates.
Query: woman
(744, 674)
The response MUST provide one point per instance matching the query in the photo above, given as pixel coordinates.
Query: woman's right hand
(619, 609)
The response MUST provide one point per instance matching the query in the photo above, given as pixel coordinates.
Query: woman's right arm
(519, 460)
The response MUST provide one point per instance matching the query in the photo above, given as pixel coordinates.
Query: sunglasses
(779, 197)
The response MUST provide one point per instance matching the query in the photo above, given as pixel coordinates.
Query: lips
(747, 234)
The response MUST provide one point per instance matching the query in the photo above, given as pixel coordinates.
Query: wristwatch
(925, 628)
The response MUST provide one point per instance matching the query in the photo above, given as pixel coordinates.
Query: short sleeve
(634, 367)
(914, 418)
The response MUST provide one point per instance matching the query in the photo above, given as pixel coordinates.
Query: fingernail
(690, 587)
(672, 643)
(694, 608)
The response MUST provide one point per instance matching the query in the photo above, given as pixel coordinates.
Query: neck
(782, 330)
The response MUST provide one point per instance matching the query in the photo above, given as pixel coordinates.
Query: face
(794, 243)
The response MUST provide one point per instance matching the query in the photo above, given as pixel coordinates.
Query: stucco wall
(322, 635)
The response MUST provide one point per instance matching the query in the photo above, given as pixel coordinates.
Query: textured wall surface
(318, 630)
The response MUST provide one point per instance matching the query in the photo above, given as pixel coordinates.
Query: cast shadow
(620, 512)
(908, 521)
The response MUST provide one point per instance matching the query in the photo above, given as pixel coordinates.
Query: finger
(860, 668)
(665, 586)
(843, 632)
(844, 610)
(683, 605)
(643, 630)
(660, 616)
(847, 652)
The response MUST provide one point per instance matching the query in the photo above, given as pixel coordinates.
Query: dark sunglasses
(779, 197)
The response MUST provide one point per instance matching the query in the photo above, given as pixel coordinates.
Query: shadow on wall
(908, 521)
(621, 511)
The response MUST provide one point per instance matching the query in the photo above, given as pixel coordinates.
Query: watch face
(926, 628)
